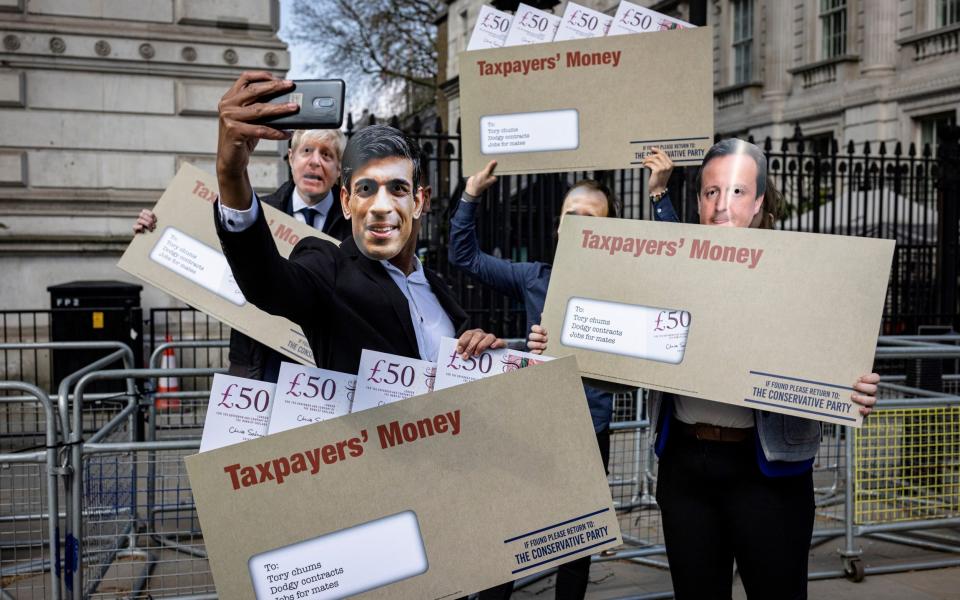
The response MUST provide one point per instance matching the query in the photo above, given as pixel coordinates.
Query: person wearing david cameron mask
(735, 484)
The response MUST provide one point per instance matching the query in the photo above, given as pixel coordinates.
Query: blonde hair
(321, 135)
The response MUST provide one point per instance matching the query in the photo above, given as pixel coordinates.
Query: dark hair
(772, 209)
(613, 203)
(731, 146)
(375, 142)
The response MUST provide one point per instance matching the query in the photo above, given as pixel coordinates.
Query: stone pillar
(879, 53)
(778, 42)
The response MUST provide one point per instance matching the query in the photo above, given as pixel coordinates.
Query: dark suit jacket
(248, 357)
(344, 301)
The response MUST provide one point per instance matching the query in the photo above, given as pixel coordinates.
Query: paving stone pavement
(621, 579)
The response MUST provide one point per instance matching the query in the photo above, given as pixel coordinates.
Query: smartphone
(321, 105)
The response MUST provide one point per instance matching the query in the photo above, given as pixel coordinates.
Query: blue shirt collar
(321, 208)
(417, 276)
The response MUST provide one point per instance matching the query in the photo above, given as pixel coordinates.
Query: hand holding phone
(320, 101)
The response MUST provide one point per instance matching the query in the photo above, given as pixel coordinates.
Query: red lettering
(281, 466)
(265, 473)
(329, 453)
(340, 447)
(232, 470)
(285, 233)
(199, 189)
(586, 236)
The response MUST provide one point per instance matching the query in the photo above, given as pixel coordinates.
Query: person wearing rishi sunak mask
(371, 292)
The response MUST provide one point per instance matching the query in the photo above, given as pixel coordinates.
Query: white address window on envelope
(188, 257)
(647, 332)
(545, 131)
(342, 563)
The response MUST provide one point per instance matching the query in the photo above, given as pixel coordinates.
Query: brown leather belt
(714, 433)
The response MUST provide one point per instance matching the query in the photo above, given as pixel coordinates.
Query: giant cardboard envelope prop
(772, 320)
(183, 258)
(587, 104)
(436, 496)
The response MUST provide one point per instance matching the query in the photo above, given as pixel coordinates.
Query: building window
(820, 144)
(742, 41)
(948, 12)
(929, 128)
(833, 27)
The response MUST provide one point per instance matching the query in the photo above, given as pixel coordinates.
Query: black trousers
(718, 507)
(572, 577)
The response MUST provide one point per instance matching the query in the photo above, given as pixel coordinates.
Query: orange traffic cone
(168, 384)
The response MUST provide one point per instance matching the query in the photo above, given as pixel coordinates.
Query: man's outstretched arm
(271, 283)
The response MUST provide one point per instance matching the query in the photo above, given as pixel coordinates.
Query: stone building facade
(860, 70)
(100, 102)
(847, 70)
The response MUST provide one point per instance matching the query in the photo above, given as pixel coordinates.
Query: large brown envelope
(588, 104)
(183, 258)
(775, 320)
(436, 496)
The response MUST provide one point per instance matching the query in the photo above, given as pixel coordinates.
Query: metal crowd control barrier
(31, 462)
(183, 409)
(159, 514)
(131, 528)
(38, 484)
(122, 496)
(887, 482)
(903, 467)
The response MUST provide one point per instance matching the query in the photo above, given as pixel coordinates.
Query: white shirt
(696, 410)
(322, 208)
(430, 321)
(237, 220)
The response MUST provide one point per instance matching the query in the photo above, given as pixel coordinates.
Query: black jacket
(248, 357)
(343, 301)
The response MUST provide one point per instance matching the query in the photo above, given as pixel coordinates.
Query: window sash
(742, 41)
(948, 12)
(930, 125)
(743, 64)
(832, 6)
(833, 27)
(742, 20)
